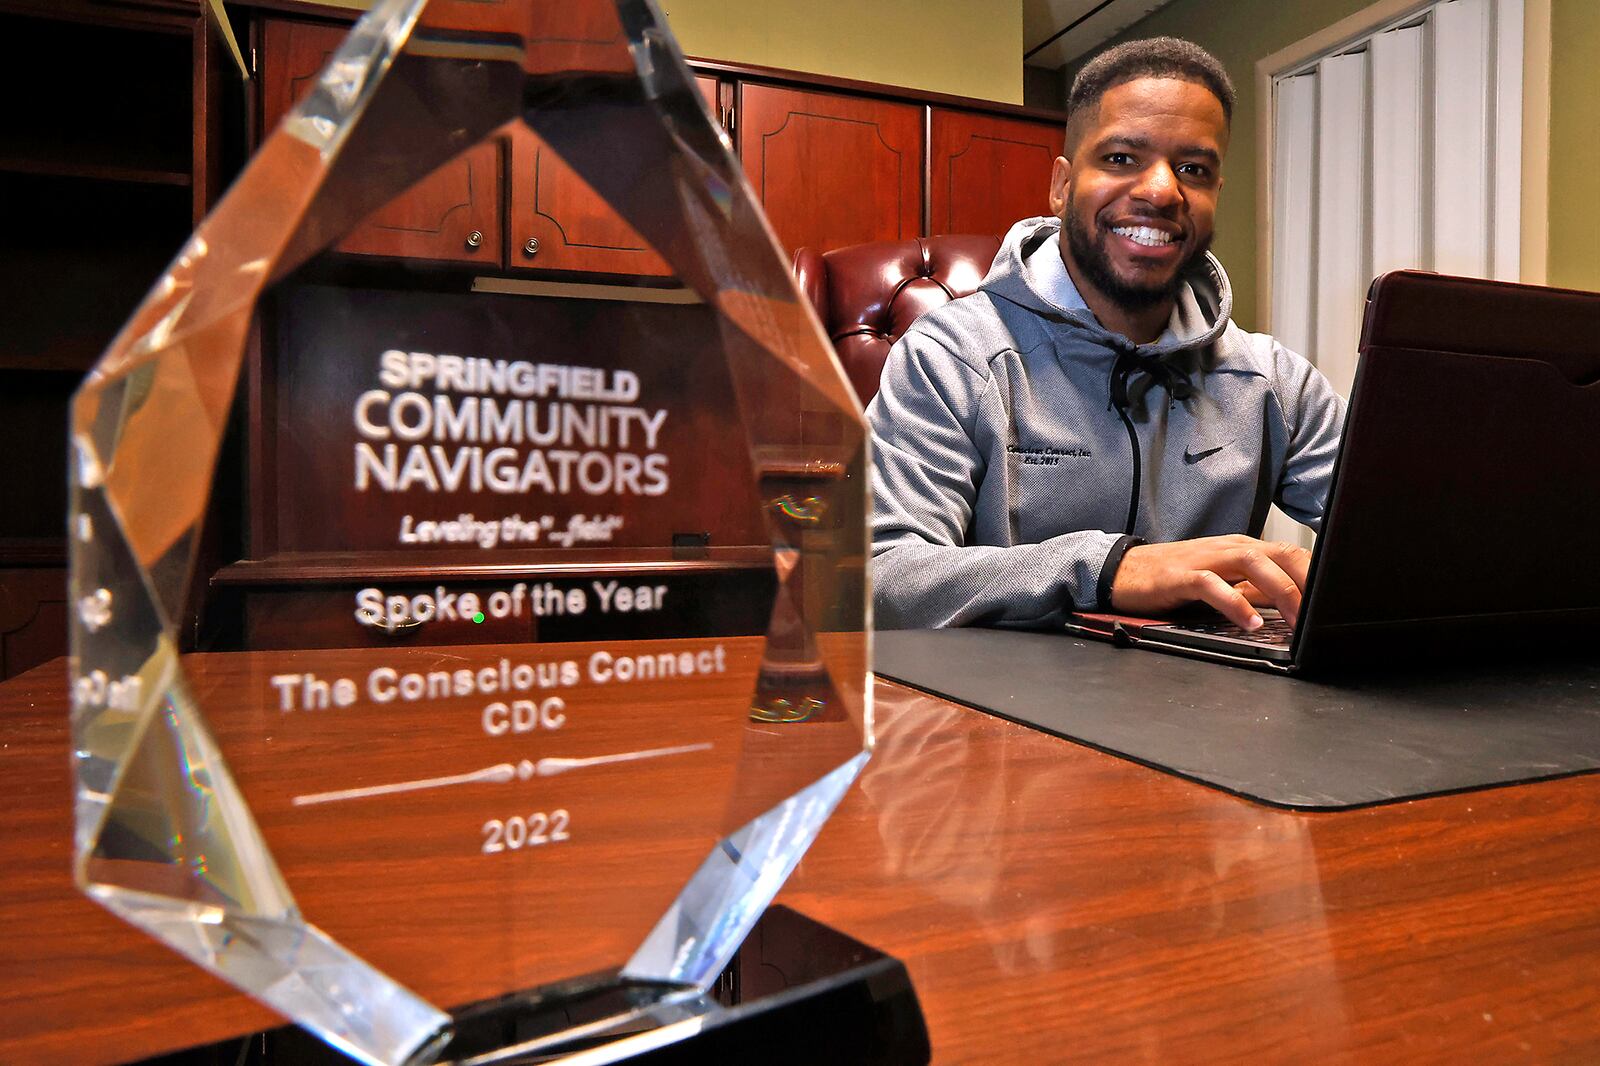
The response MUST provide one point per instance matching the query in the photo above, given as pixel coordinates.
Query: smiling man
(1089, 430)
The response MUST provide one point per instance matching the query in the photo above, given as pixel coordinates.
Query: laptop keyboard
(1274, 632)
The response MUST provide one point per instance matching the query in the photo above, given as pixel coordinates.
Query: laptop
(1464, 511)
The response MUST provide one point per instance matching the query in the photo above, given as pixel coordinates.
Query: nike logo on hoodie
(1195, 457)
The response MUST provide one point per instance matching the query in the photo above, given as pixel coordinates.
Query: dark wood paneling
(33, 442)
(834, 161)
(987, 172)
(127, 109)
(708, 85)
(832, 170)
(33, 618)
(174, 15)
(102, 174)
(211, 59)
(95, 183)
(558, 222)
(66, 236)
(570, 226)
(453, 215)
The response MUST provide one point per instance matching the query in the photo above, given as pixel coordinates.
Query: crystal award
(560, 660)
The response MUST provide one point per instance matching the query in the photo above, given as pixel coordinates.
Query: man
(1089, 431)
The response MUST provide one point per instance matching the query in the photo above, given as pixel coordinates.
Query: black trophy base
(797, 993)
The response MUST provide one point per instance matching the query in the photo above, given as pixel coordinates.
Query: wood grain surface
(831, 170)
(431, 220)
(986, 172)
(575, 228)
(1052, 903)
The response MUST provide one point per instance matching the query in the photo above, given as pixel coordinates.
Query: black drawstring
(1129, 362)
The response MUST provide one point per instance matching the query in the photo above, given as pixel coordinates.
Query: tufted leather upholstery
(867, 294)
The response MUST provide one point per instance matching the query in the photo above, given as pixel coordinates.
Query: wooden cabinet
(453, 215)
(557, 222)
(108, 155)
(98, 177)
(832, 170)
(986, 172)
(552, 219)
(33, 617)
(833, 164)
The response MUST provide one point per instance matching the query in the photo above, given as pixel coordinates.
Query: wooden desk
(1053, 903)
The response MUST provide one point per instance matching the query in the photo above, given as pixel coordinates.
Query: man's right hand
(1224, 572)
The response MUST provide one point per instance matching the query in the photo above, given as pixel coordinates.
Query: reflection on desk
(1053, 903)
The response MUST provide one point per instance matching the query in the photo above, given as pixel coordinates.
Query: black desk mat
(1319, 745)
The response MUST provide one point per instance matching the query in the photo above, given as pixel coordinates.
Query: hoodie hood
(1031, 275)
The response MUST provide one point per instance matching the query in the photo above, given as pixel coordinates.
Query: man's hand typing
(1228, 573)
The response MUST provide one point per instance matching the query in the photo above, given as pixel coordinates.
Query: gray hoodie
(1018, 444)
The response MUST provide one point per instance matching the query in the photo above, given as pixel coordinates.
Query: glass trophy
(564, 664)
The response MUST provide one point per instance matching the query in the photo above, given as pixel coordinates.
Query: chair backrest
(868, 294)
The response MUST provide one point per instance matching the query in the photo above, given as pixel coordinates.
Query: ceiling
(1055, 32)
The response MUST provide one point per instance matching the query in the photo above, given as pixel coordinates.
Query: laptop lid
(1464, 502)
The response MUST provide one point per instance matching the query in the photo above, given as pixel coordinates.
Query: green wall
(963, 47)
(1239, 32)
(1575, 144)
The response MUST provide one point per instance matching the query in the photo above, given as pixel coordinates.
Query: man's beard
(1090, 257)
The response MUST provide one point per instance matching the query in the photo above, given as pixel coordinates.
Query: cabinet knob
(475, 238)
(532, 247)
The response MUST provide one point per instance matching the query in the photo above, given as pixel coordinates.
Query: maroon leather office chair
(867, 294)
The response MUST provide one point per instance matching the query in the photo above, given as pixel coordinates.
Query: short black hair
(1153, 57)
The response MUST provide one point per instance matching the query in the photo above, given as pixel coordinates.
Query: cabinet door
(451, 215)
(558, 222)
(989, 172)
(832, 170)
(33, 618)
